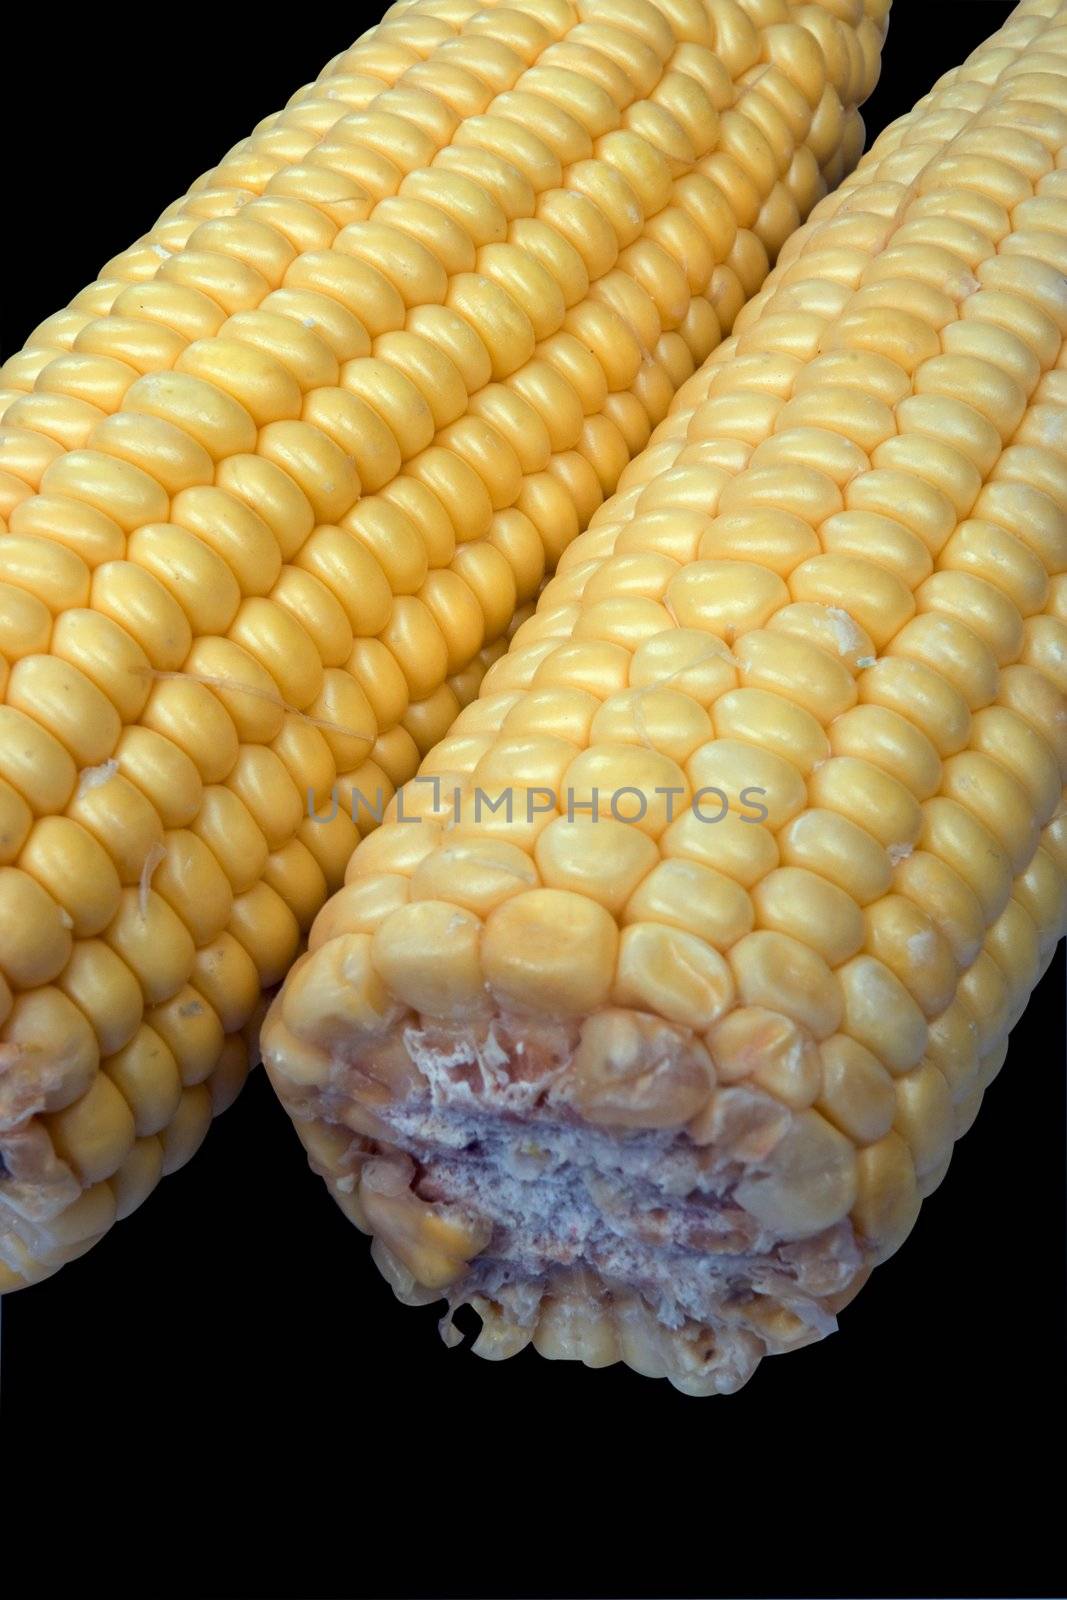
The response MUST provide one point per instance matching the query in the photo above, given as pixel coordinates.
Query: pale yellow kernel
(65, 522)
(887, 1197)
(922, 695)
(80, 1225)
(873, 538)
(829, 629)
(737, 848)
(120, 818)
(268, 931)
(117, 488)
(352, 575)
(685, 660)
(673, 974)
(602, 858)
(35, 939)
(335, 992)
(559, 712)
(857, 1094)
(868, 797)
(163, 451)
(808, 1182)
(731, 774)
(767, 719)
(954, 1048)
(231, 520)
(880, 602)
(888, 741)
(261, 782)
(497, 765)
(193, 717)
(952, 832)
(228, 1076)
(695, 898)
(632, 1070)
(192, 1032)
(880, 1014)
(776, 971)
(226, 827)
(105, 991)
(753, 1043)
(984, 990)
(359, 907)
(725, 598)
(76, 871)
(666, 719)
(34, 762)
(46, 1031)
(908, 941)
(550, 951)
(798, 902)
(153, 942)
(980, 784)
(146, 1075)
(632, 784)
(187, 1129)
(25, 622)
(16, 820)
(798, 670)
(1042, 894)
(261, 384)
(136, 1177)
(924, 1116)
(65, 702)
(294, 872)
(210, 415)
(649, 548)
(94, 1134)
(953, 650)
(427, 955)
(224, 975)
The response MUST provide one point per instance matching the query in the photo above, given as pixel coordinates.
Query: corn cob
(275, 484)
(661, 1080)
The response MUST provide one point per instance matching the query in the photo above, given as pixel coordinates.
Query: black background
(224, 1398)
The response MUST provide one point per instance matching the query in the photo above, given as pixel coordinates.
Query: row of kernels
(1026, 967)
(888, 1189)
(58, 851)
(595, 845)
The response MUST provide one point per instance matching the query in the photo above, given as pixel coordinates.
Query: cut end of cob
(605, 1187)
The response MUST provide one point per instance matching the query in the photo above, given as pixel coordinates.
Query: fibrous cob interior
(666, 1084)
(275, 484)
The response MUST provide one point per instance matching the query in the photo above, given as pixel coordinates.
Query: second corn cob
(275, 480)
(650, 1019)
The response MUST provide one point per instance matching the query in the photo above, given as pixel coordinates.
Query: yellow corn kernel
(146, 1075)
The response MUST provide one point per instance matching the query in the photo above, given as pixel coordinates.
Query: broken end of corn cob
(606, 1187)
